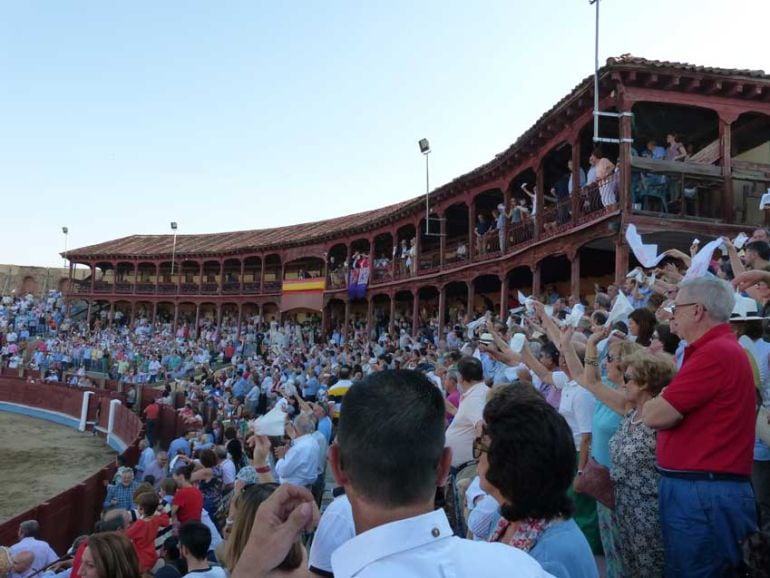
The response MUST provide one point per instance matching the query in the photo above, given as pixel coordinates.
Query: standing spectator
(151, 414)
(298, 464)
(144, 532)
(675, 151)
(705, 420)
(462, 431)
(187, 504)
(391, 483)
(633, 467)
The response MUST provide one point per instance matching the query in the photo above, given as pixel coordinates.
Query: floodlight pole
(596, 72)
(173, 248)
(427, 193)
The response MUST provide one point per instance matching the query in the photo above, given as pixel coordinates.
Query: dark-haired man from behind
(194, 542)
(391, 481)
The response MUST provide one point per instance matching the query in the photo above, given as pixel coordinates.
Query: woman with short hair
(526, 462)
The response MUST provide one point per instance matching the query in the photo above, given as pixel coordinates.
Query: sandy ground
(39, 459)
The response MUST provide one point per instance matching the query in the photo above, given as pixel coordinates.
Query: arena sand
(40, 459)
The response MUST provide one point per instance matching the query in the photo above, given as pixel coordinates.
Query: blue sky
(118, 117)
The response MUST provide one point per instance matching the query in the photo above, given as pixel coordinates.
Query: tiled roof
(306, 233)
(218, 243)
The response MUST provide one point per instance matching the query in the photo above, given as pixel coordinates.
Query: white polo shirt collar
(389, 539)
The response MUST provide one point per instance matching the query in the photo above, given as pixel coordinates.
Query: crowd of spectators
(623, 434)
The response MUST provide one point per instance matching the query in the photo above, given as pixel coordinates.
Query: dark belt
(702, 476)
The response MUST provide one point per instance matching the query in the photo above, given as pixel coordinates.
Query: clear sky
(118, 117)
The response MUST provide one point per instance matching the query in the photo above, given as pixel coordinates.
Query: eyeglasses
(610, 358)
(677, 306)
(627, 377)
(479, 447)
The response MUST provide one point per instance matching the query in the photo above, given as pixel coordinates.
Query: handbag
(595, 481)
(763, 426)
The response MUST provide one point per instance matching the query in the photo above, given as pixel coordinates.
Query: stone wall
(20, 280)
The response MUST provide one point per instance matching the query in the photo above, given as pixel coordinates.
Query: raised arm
(592, 379)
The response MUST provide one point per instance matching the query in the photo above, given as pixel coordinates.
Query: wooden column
(624, 193)
(369, 316)
(470, 311)
(200, 282)
(506, 220)
(415, 311)
(540, 186)
(725, 142)
(536, 280)
(346, 321)
(471, 229)
(262, 278)
(221, 277)
(441, 311)
(503, 297)
(418, 246)
(575, 197)
(621, 261)
(575, 275)
(392, 320)
(243, 274)
(93, 278)
(136, 275)
(157, 279)
(179, 275)
(442, 240)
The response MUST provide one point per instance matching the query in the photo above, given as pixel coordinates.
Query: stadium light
(66, 231)
(173, 247)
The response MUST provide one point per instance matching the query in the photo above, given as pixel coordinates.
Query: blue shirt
(325, 427)
(180, 443)
(241, 388)
(603, 426)
(563, 551)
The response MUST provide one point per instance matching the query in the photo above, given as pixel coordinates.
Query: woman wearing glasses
(527, 459)
(633, 472)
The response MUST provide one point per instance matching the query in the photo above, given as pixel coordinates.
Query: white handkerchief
(273, 423)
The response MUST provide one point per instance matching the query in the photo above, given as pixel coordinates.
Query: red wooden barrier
(73, 512)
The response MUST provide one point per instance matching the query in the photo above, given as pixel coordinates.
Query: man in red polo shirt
(705, 421)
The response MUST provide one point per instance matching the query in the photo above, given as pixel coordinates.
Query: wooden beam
(652, 80)
(672, 83)
(714, 87)
(735, 90)
(693, 85)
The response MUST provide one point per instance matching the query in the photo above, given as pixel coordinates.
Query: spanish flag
(313, 285)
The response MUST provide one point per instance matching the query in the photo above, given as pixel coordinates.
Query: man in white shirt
(298, 464)
(462, 431)
(28, 542)
(391, 483)
(335, 528)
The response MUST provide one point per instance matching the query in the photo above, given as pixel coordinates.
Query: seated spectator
(109, 555)
(120, 494)
(526, 462)
(29, 541)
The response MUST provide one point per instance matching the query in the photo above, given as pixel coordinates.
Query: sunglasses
(479, 447)
(611, 358)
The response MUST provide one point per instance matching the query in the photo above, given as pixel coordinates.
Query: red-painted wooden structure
(725, 115)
